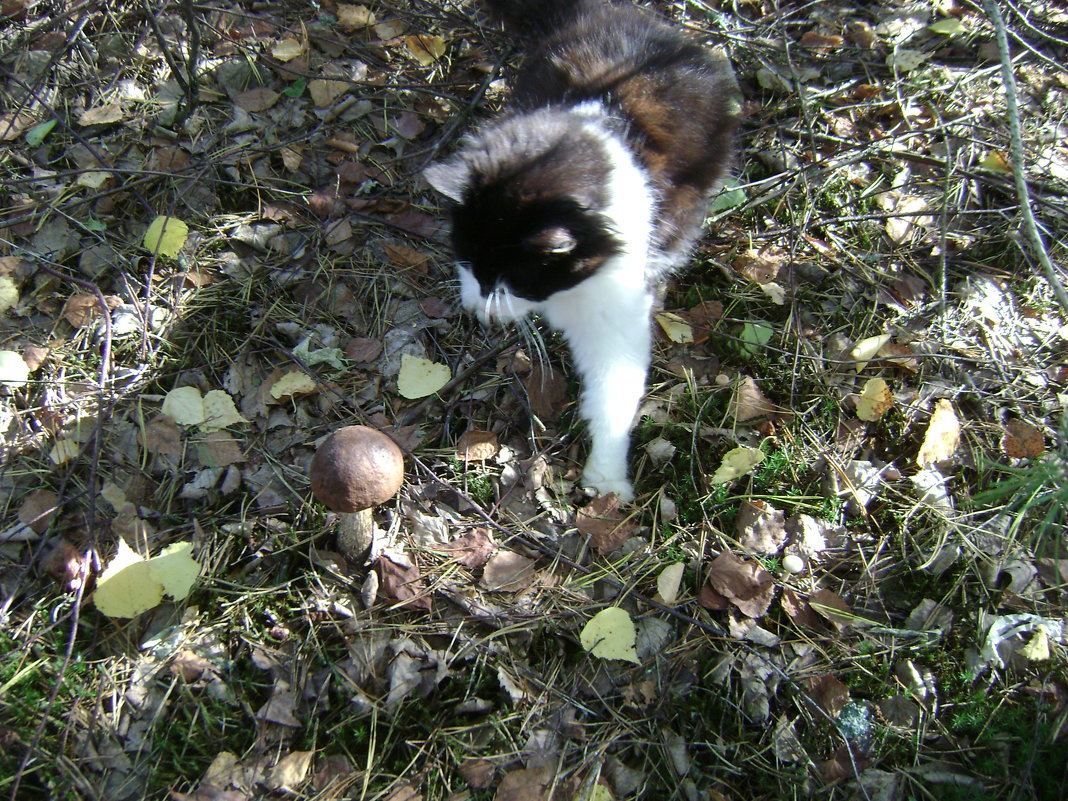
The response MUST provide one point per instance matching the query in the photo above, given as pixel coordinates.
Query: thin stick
(1030, 227)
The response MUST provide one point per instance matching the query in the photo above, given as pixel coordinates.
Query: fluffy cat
(588, 191)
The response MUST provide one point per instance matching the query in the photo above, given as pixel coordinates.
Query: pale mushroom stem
(355, 534)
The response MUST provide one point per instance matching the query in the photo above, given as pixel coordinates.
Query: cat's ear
(556, 240)
(450, 178)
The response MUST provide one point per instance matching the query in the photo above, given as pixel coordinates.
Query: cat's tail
(537, 18)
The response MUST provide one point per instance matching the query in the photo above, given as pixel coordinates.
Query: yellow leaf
(667, 583)
(9, 293)
(676, 328)
(175, 569)
(943, 434)
(127, 587)
(875, 400)
(352, 17)
(184, 405)
(865, 349)
(996, 161)
(419, 378)
(287, 49)
(324, 92)
(1037, 650)
(947, 26)
(64, 450)
(219, 411)
(292, 384)
(610, 634)
(13, 368)
(290, 771)
(737, 463)
(425, 48)
(166, 236)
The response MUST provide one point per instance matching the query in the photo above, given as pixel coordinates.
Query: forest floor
(845, 573)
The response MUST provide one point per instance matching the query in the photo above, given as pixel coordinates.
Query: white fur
(605, 319)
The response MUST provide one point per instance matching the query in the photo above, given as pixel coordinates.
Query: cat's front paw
(620, 486)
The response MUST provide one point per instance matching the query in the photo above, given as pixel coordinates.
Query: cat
(588, 191)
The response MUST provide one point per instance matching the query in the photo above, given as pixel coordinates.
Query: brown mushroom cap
(356, 468)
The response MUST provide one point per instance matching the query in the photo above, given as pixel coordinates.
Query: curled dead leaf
(477, 446)
(1022, 441)
(943, 435)
(747, 585)
(602, 521)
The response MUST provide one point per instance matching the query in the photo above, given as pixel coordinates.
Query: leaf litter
(865, 503)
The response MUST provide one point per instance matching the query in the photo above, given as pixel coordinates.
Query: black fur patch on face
(534, 247)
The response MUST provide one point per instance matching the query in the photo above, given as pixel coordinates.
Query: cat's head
(532, 214)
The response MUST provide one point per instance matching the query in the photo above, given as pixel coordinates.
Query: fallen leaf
(257, 99)
(947, 27)
(755, 336)
(660, 451)
(390, 29)
(828, 693)
(602, 521)
(425, 48)
(102, 115)
(127, 587)
(67, 564)
(737, 463)
(402, 583)
(819, 41)
(406, 258)
(610, 634)
(477, 446)
(761, 528)
(363, 349)
(747, 585)
(219, 411)
(800, 610)
(287, 49)
(667, 583)
(9, 293)
(832, 609)
(419, 378)
(64, 450)
(290, 772)
(13, 368)
(675, 327)
(292, 384)
(478, 773)
(507, 571)
(473, 549)
(547, 390)
(899, 355)
(38, 508)
(281, 707)
(525, 784)
(906, 60)
(405, 792)
(996, 161)
(324, 92)
(1037, 648)
(874, 400)
(710, 599)
(351, 17)
(184, 405)
(1022, 441)
(760, 266)
(943, 435)
(80, 310)
(165, 236)
(748, 401)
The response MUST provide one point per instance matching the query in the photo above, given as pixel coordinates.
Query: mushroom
(355, 469)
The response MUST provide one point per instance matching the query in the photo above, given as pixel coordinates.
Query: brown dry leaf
(190, 666)
(407, 125)
(38, 508)
(290, 772)
(832, 608)
(402, 584)
(820, 41)
(473, 549)
(281, 707)
(899, 355)
(828, 693)
(748, 402)
(478, 773)
(943, 435)
(390, 29)
(405, 793)
(13, 125)
(406, 258)
(747, 585)
(425, 48)
(324, 91)
(710, 599)
(799, 609)
(219, 449)
(437, 308)
(547, 390)
(81, 309)
(335, 769)
(162, 436)
(258, 99)
(525, 784)
(705, 314)
(760, 527)
(477, 446)
(760, 266)
(1022, 441)
(603, 522)
(508, 571)
(840, 766)
(363, 349)
(102, 115)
